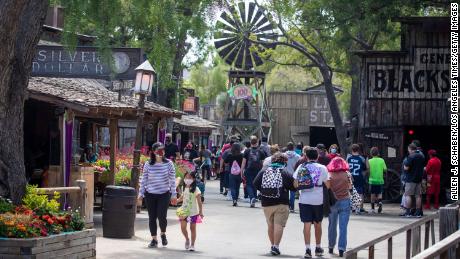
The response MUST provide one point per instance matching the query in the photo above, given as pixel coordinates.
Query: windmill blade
(259, 24)
(268, 27)
(230, 59)
(252, 7)
(256, 59)
(226, 50)
(259, 14)
(242, 9)
(227, 18)
(218, 35)
(241, 55)
(220, 43)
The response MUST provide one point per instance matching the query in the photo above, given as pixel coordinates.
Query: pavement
(240, 232)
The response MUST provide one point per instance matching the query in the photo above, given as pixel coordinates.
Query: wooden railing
(80, 189)
(413, 236)
(441, 248)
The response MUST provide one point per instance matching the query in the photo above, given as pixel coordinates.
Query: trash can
(119, 212)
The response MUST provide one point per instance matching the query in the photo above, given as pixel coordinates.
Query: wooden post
(408, 242)
(371, 252)
(113, 131)
(416, 240)
(390, 248)
(82, 197)
(427, 235)
(448, 224)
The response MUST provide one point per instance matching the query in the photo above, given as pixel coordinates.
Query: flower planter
(81, 244)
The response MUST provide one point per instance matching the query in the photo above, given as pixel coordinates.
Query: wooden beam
(54, 100)
(113, 131)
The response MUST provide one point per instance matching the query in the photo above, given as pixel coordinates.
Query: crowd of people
(327, 184)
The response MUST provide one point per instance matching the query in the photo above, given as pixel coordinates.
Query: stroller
(199, 181)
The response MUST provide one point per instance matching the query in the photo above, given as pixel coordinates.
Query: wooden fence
(448, 224)
(80, 190)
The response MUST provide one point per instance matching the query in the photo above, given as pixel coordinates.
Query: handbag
(355, 199)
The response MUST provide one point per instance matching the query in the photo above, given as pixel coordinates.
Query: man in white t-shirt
(310, 178)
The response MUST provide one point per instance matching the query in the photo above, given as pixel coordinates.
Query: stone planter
(81, 244)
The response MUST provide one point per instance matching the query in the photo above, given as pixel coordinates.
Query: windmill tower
(246, 112)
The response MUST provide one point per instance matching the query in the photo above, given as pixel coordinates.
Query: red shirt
(433, 167)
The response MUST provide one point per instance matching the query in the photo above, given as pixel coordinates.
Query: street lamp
(145, 75)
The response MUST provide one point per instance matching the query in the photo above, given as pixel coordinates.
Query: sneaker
(253, 203)
(341, 253)
(307, 253)
(379, 210)
(418, 214)
(225, 193)
(362, 210)
(319, 251)
(164, 241)
(192, 248)
(372, 211)
(187, 244)
(235, 203)
(275, 251)
(292, 211)
(331, 250)
(153, 244)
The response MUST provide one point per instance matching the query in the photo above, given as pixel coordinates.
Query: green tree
(208, 81)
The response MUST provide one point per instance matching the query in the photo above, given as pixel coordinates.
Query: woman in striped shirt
(158, 187)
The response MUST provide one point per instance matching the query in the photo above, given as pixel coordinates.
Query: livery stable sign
(427, 77)
(85, 62)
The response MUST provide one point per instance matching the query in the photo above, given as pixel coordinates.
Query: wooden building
(403, 95)
(302, 116)
(192, 128)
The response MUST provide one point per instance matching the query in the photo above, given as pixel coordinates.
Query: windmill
(246, 112)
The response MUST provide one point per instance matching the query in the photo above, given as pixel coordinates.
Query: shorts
(277, 214)
(413, 189)
(359, 189)
(192, 219)
(376, 189)
(311, 213)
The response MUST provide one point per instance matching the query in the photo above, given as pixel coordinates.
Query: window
(126, 137)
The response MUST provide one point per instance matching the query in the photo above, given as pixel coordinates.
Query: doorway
(432, 137)
(324, 135)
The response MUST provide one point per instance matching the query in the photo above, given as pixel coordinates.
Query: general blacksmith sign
(427, 77)
(85, 62)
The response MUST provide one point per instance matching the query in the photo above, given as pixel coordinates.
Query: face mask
(333, 150)
(168, 140)
(188, 181)
(160, 152)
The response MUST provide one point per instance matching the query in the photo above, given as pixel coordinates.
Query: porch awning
(194, 123)
(91, 97)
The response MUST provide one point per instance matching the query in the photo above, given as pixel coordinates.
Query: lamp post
(145, 75)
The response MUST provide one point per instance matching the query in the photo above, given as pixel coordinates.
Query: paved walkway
(229, 232)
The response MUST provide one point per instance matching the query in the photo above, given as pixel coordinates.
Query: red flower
(50, 221)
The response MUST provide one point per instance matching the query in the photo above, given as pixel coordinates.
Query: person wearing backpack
(274, 185)
(310, 178)
(235, 159)
(293, 158)
(252, 164)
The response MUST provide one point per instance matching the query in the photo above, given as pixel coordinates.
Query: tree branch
(291, 64)
(361, 42)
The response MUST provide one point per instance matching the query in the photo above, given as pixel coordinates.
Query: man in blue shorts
(309, 178)
(357, 164)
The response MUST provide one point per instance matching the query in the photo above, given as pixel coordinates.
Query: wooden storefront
(194, 129)
(302, 116)
(403, 94)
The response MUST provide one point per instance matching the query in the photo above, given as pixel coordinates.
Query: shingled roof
(195, 123)
(90, 96)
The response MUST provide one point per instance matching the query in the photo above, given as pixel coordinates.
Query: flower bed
(38, 229)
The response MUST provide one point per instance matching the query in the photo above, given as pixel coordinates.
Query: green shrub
(5, 205)
(39, 202)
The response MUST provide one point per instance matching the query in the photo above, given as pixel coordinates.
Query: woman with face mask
(158, 187)
(333, 151)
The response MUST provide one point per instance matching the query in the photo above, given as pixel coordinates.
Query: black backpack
(255, 159)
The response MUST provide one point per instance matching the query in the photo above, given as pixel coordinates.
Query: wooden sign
(190, 104)
(242, 92)
(426, 78)
(85, 62)
(320, 114)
